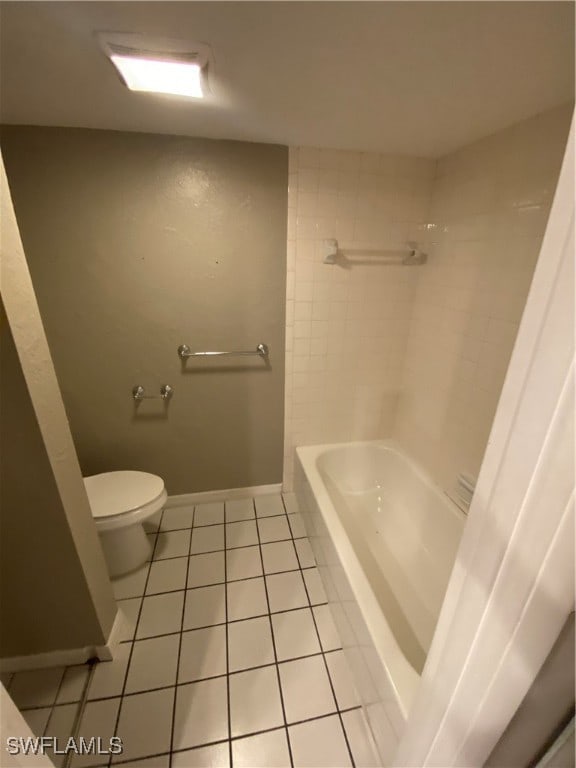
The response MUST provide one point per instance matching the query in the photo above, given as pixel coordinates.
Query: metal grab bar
(184, 352)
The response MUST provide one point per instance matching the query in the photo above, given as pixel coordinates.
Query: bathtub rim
(403, 678)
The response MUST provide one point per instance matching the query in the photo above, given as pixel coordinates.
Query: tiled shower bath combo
(281, 336)
(417, 354)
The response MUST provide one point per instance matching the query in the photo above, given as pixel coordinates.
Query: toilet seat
(120, 499)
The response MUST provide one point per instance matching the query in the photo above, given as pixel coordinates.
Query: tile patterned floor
(230, 658)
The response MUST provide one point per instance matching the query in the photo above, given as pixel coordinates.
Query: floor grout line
(220, 623)
(80, 711)
(279, 681)
(229, 522)
(234, 738)
(127, 672)
(231, 673)
(181, 633)
(327, 668)
(229, 719)
(247, 735)
(53, 705)
(213, 551)
(186, 588)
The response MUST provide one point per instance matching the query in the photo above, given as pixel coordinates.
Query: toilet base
(125, 549)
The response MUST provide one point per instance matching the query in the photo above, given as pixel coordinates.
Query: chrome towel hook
(138, 393)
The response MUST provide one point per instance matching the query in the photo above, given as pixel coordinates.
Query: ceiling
(417, 78)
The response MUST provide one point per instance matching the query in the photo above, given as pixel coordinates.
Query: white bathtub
(385, 539)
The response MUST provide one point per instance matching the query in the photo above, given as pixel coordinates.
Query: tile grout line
(232, 522)
(215, 677)
(273, 641)
(179, 644)
(54, 705)
(80, 712)
(222, 623)
(134, 637)
(214, 551)
(229, 522)
(324, 659)
(235, 738)
(229, 719)
(215, 583)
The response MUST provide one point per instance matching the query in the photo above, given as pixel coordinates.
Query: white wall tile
(365, 200)
(432, 344)
(489, 212)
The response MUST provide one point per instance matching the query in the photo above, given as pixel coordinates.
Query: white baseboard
(184, 499)
(68, 656)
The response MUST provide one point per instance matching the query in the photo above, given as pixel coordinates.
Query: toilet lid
(113, 493)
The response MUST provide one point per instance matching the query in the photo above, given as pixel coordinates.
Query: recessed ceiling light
(176, 77)
(158, 65)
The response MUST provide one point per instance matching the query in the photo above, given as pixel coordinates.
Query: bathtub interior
(403, 530)
(387, 599)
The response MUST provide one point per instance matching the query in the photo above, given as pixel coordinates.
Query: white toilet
(121, 502)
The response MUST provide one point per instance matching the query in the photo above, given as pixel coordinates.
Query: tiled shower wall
(490, 205)
(347, 325)
(415, 353)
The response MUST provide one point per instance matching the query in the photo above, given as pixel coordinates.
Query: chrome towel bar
(184, 352)
(333, 253)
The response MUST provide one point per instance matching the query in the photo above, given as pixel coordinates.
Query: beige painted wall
(45, 602)
(55, 589)
(490, 204)
(138, 243)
